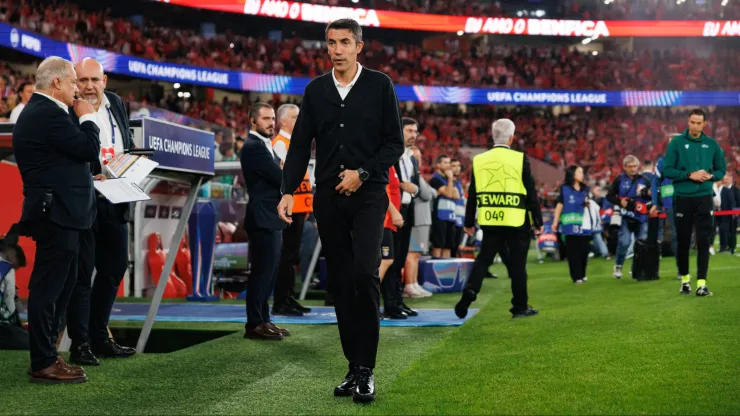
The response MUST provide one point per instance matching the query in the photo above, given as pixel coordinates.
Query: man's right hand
(397, 219)
(82, 108)
(285, 208)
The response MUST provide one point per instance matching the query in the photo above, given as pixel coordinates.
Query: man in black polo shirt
(353, 114)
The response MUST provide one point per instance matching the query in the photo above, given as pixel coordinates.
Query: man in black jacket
(353, 114)
(54, 155)
(727, 226)
(262, 175)
(90, 305)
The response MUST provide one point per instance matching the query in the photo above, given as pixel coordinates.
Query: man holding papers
(90, 306)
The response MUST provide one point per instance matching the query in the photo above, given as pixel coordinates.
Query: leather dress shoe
(263, 331)
(286, 309)
(293, 302)
(530, 311)
(364, 392)
(282, 331)
(57, 373)
(81, 354)
(72, 368)
(408, 311)
(461, 309)
(109, 349)
(347, 387)
(394, 314)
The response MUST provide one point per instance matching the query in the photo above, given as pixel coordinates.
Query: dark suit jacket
(118, 212)
(263, 178)
(53, 154)
(727, 196)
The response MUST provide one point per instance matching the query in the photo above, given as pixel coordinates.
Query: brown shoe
(282, 331)
(57, 373)
(72, 368)
(263, 331)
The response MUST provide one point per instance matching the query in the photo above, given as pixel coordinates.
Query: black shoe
(345, 389)
(490, 275)
(82, 354)
(461, 309)
(530, 311)
(364, 391)
(394, 314)
(285, 309)
(109, 349)
(294, 303)
(408, 311)
(329, 301)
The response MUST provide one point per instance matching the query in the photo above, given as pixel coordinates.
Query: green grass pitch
(604, 347)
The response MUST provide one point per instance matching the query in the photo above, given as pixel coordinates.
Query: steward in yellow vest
(503, 193)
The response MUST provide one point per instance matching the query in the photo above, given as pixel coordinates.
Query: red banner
(484, 25)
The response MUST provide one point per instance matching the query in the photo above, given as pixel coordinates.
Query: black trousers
(458, 239)
(732, 242)
(725, 231)
(578, 248)
(690, 212)
(264, 251)
(289, 258)
(392, 286)
(351, 231)
(91, 303)
(514, 242)
(52, 282)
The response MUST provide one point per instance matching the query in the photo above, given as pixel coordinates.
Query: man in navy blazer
(263, 177)
(54, 155)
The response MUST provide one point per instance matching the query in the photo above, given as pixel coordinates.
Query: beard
(93, 100)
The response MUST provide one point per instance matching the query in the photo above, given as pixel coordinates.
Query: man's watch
(364, 175)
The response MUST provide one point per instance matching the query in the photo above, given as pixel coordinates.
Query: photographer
(12, 334)
(572, 202)
(630, 191)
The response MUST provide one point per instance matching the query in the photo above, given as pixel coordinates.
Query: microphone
(140, 151)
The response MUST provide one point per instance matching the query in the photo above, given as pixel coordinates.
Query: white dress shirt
(86, 117)
(108, 125)
(406, 173)
(268, 142)
(280, 149)
(343, 90)
(16, 112)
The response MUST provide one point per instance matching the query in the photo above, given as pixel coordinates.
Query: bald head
(91, 80)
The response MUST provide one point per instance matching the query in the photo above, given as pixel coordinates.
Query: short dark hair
(23, 87)
(348, 24)
(442, 156)
(254, 110)
(698, 112)
(9, 247)
(408, 121)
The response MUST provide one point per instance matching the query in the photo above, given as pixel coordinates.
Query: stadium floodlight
(180, 94)
(594, 53)
(586, 41)
(176, 86)
(231, 45)
(460, 33)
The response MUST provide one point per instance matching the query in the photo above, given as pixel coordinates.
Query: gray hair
(503, 129)
(52, 67)
(283, 109)
(630, 159)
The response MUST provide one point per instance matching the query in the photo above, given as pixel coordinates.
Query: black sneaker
(109, 349)
(461, 309)
(293, 302)
(686, 289)
(530, 311)
(702, 291)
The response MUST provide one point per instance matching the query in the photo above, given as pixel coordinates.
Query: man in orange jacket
(284, 302)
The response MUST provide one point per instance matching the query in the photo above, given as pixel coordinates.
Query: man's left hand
(100, 178)
(350, 182)
(469, 231)
(409, 187)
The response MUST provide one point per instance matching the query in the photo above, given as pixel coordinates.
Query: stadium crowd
(458, 63)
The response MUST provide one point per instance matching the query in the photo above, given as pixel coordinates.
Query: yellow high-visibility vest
(500, 192)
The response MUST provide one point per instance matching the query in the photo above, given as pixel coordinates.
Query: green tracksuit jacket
(685, 155)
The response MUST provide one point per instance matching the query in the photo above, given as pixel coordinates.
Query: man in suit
(262, 175)
(90, 305)
(54, 156)
(727, 234)
(353, 114)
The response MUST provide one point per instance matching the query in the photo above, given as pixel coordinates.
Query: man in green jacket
(694, 162)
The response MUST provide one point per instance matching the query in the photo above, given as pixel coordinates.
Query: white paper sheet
(119, 191)
(130, 166)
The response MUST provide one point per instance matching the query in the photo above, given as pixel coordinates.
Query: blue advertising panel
(179, 148)
(37, 45)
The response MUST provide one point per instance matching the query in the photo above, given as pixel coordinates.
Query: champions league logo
(14, 38)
